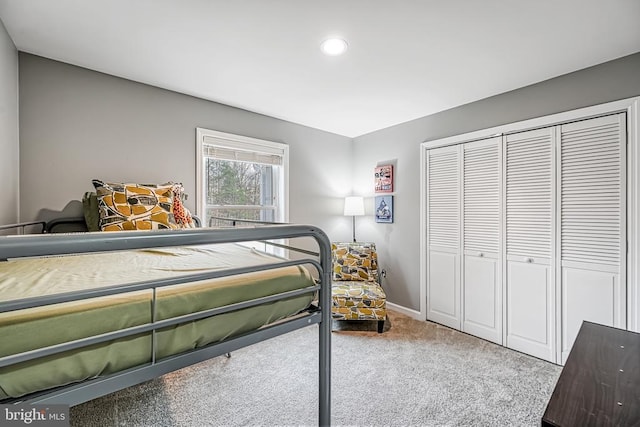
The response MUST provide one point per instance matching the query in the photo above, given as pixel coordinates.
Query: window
(240, 177)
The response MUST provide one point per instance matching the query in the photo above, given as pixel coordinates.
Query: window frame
(232, 141)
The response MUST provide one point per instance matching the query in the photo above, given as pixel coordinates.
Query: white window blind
(246, 152)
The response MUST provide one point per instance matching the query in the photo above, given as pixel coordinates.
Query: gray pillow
(90, 210)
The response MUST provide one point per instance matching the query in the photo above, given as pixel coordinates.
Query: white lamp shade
(353, 206)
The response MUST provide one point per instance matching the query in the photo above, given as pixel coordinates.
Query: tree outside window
(240, 190)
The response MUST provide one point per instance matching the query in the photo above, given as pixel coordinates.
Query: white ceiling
(406, 59)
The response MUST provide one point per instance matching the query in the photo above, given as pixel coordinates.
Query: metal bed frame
(71, 243)
(23, 227)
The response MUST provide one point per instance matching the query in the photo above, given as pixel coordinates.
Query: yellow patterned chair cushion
(124, 206)
(355, 292)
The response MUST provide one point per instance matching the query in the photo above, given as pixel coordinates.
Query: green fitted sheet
(38, 327)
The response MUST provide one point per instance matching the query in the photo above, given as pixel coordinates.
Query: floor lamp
(354, 206)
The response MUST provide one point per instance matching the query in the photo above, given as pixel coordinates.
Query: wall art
(384, 209)
(383, 179)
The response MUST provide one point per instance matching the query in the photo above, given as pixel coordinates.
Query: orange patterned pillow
(125, 206)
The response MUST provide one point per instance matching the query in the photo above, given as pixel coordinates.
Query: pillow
(125, 206)
(90, 211)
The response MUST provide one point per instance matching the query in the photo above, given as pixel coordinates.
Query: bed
(151, 302)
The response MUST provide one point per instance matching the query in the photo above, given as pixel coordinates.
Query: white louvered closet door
(592, 225)
(481, 271)
(529, 232)
(443, 235)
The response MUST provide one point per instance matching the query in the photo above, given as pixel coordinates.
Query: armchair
(356, 292)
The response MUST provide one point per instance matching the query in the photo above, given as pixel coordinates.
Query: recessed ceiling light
(333, 46)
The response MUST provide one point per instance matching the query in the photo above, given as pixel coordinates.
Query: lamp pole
(354, 228)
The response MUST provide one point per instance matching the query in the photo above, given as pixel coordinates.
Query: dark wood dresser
(600, 383)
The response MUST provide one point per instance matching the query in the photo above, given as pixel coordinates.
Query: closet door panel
(529, 228)
(443, 236)
(587, 295)
(482, 298)
(443, 281)
(529, 293)
(592, 224)
(481, 201)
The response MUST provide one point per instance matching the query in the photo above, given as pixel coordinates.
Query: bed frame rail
(22, 227)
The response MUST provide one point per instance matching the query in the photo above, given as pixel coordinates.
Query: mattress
(34, 328)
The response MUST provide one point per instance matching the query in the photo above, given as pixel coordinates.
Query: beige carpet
(414, 374)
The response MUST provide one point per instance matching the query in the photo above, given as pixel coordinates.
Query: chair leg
(380, 326)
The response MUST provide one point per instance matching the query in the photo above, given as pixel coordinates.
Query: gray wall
(77, 124)
(399, 243)
(8, 128)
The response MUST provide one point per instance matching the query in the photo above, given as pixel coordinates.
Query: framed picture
(384, 209)
(384, 179)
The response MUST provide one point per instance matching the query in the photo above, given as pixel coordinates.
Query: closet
(526, 234)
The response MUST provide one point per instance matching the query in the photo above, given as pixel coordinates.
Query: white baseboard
(404, 310)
